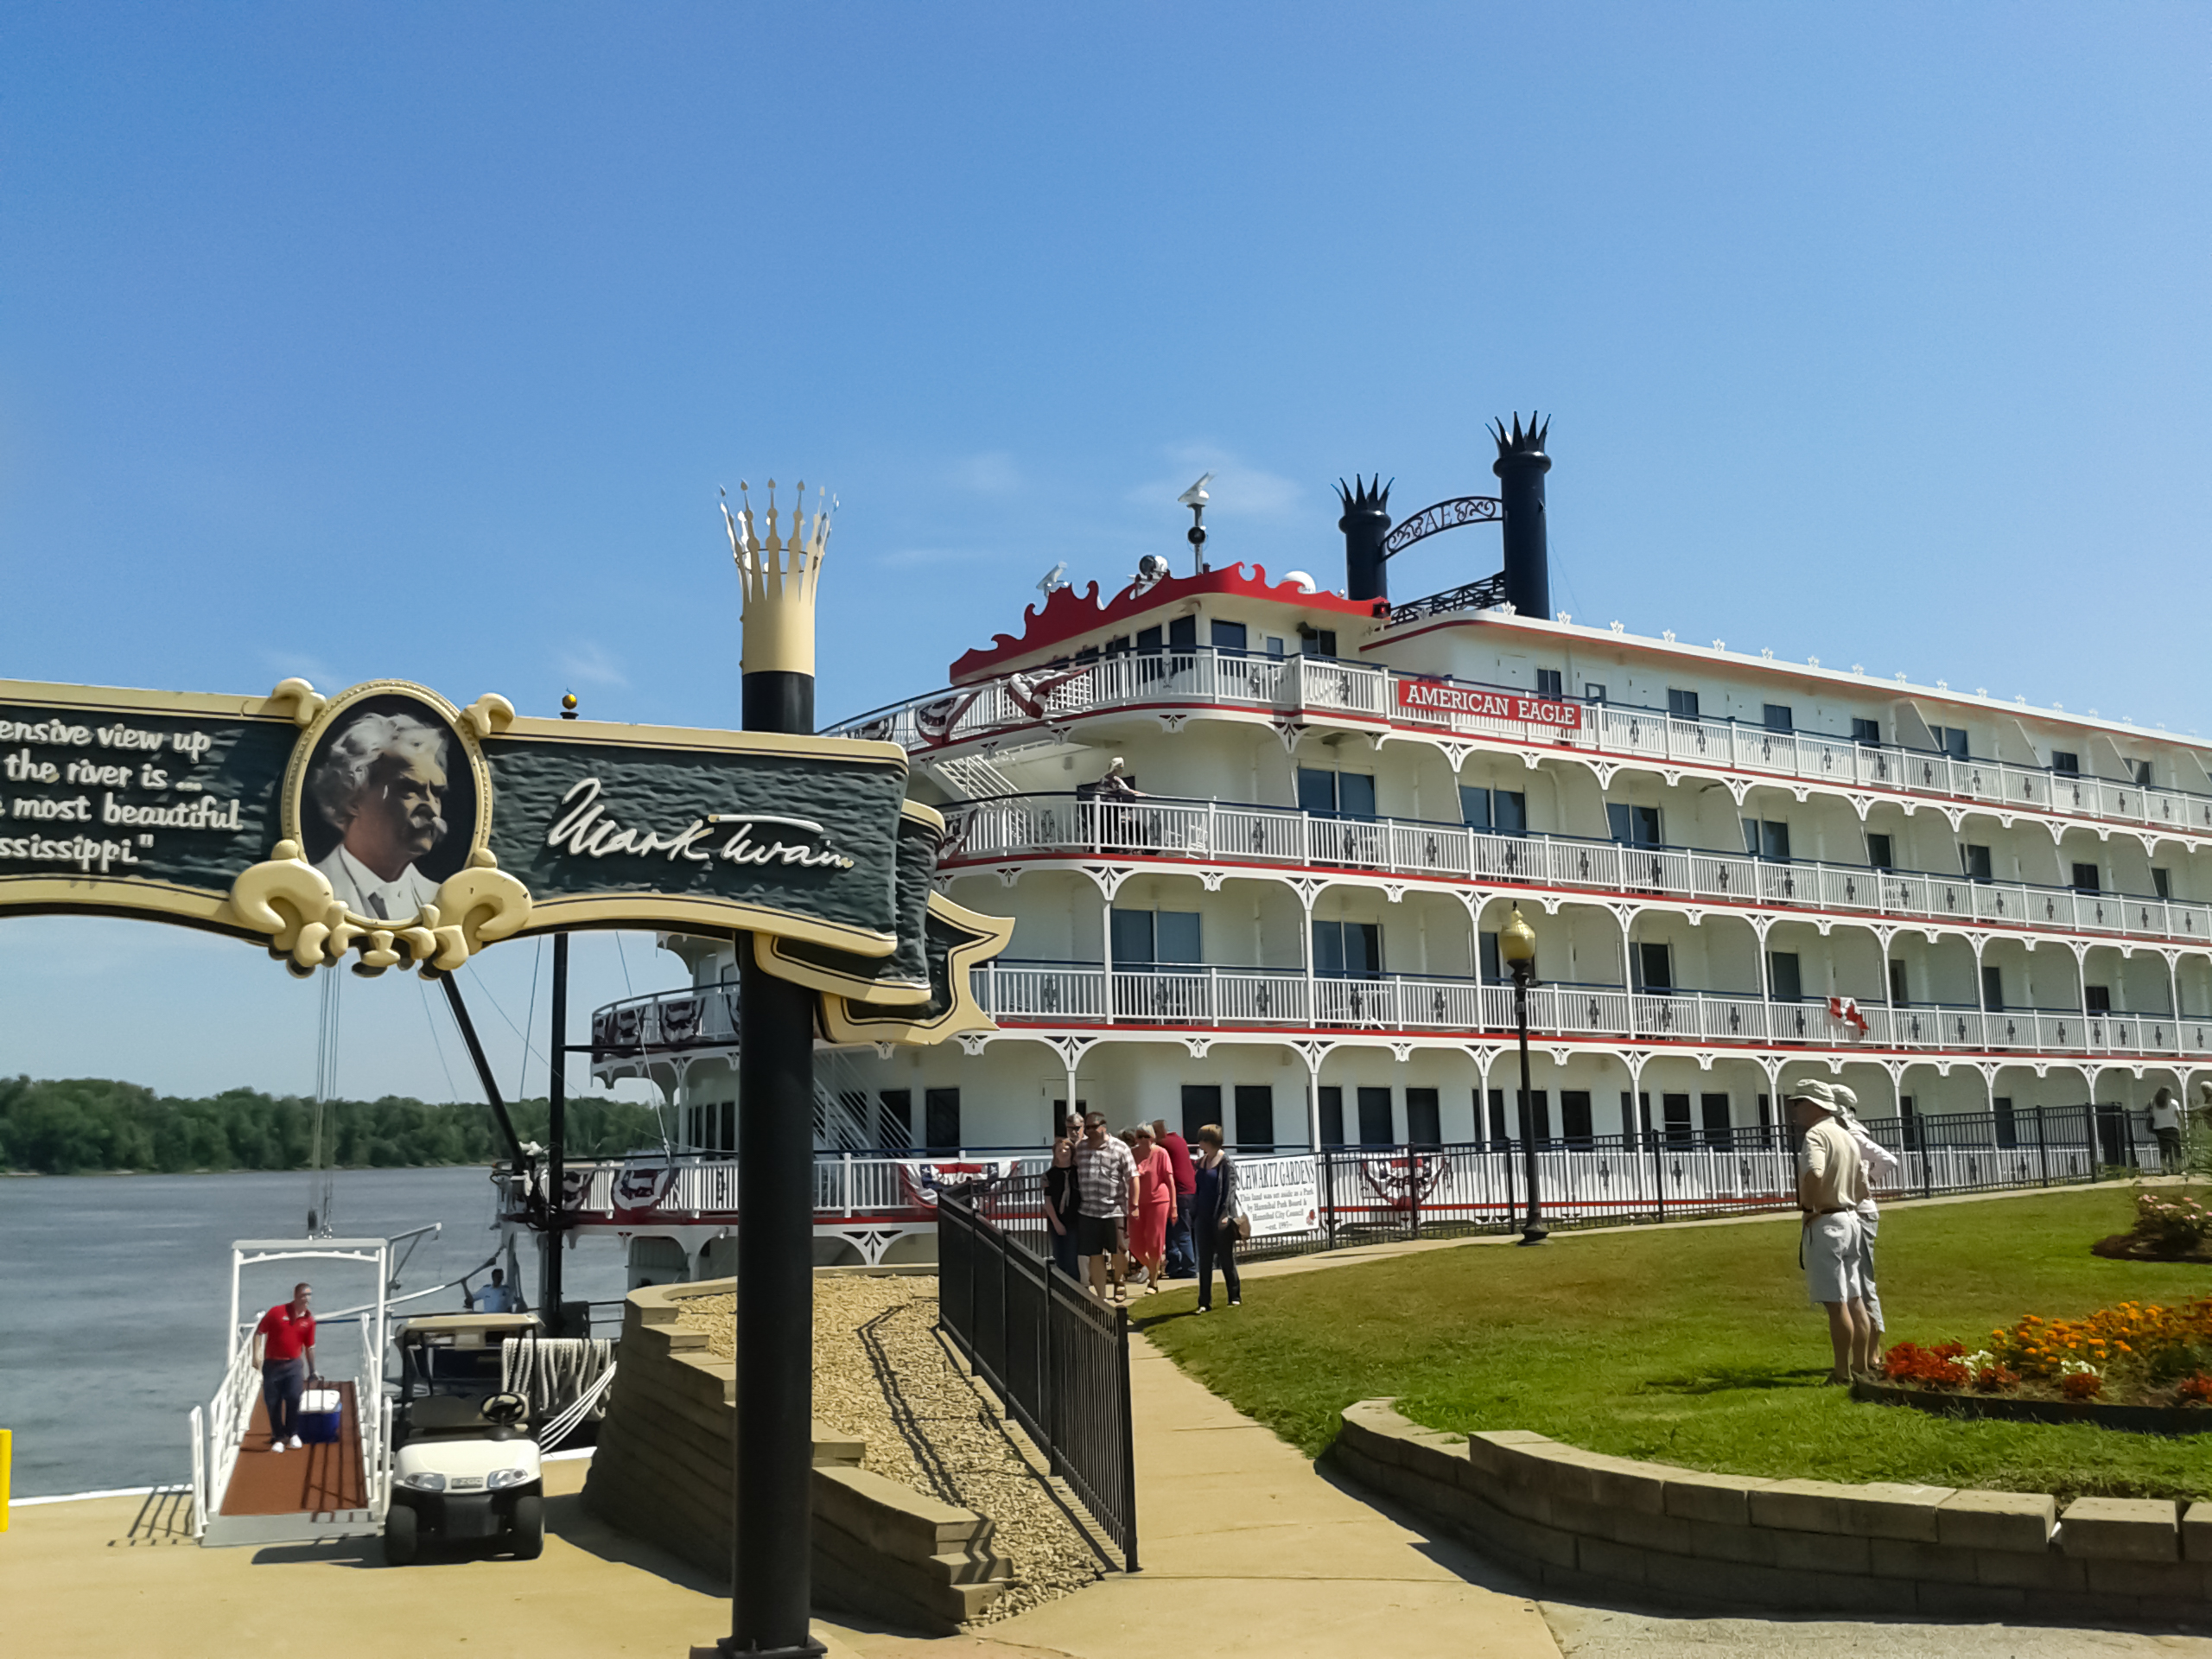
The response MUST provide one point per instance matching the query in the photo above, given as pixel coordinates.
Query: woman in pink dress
(1155, 1206)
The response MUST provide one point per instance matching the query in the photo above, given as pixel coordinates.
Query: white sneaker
(295, 1442)
(276, 1446)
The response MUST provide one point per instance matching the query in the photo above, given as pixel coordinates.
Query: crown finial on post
(781, 575)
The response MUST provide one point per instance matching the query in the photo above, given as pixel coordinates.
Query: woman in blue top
(1213, 1217)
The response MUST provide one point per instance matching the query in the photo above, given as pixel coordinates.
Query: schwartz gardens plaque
(389, 826)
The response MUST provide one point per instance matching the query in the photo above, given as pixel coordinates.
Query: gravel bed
(881, 1374)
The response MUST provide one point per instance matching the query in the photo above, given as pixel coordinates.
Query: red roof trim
(1068, 615)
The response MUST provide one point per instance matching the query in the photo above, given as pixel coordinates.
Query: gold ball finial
(567, 705)
(1516, 942)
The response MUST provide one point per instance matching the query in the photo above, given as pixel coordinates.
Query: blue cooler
(321, 1412)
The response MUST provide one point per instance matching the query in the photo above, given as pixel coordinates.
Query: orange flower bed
(2140, 1353)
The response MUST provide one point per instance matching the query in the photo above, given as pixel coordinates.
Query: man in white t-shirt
(1880, 1163)
(2166, 1124)
(1831, 1186)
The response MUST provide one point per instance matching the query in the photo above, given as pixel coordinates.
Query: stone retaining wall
(1580, 1521)
(662, 1471)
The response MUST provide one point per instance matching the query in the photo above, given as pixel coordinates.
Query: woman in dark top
(1059, 1205)
(1213, 1217)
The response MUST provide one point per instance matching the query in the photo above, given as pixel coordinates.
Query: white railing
(1075, 994)
(696, 1016)
(1071, 826)
(1297, 684)
(198, 1428)
(705, 1183)
(229, 1415)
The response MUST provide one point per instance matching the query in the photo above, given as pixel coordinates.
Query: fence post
(1128, 1441)
(1658, 1169)
(1511, 1198)
(2043, 1147)
(1329, 1196)
(1412, 1185)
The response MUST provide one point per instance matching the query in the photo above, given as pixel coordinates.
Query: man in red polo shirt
(287, 1333)
(1181, 1264)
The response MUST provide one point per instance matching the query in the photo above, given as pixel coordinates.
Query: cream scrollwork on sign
(290, 900)
(485, 903)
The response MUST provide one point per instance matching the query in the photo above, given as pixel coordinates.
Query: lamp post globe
(1516, 944)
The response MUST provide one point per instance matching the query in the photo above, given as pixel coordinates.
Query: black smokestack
(1520, 465)
(1365, 523)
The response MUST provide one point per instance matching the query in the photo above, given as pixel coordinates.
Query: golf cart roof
(491, 1325)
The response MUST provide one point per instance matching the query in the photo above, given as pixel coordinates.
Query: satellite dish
(1051, 584)
(1306, 583)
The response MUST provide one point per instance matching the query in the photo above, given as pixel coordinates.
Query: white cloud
(591, 663)
(992, 473)
(1236, 490)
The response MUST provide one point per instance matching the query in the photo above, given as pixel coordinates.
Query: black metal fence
(1056, 1357)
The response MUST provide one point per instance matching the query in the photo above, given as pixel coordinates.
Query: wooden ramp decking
(315, 1491)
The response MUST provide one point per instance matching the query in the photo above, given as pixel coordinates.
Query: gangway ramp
(245, 1491)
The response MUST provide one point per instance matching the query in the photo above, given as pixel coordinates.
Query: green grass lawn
(1694, 1345)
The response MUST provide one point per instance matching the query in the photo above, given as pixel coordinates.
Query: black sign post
(774, 1441)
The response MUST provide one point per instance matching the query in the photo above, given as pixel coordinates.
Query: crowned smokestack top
(1366, 523)
(1520, 465)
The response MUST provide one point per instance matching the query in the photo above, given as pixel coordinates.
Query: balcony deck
(1287, 1000)
(1297, 688)
(630, 1036)
(1222, 834)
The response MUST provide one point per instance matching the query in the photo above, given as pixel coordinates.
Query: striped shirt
(1103, 1175)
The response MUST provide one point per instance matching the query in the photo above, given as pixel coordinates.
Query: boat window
(1866, 732)
(1976, 859)
(941, 1112)
(1347, 947)
(1633, 826)
(1783, 980)
(1548, 682)
(2067, 761)
(1878, 853)
(1766, 838)
(1227, 636)
(1779, 718)
(1183, 633)
(1681, 705)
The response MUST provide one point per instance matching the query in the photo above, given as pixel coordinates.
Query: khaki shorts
(1833, 1258)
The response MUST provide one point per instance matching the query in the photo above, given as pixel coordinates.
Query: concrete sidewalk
(1246, 1549)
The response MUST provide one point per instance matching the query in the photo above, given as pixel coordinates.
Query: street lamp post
(1517, 944)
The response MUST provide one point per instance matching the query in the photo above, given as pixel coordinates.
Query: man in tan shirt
(1831, 1186)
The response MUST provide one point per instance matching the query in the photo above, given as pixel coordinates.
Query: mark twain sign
(388, 822)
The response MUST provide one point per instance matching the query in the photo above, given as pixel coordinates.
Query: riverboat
(1259, 837)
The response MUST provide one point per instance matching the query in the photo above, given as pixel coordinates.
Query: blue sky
(354, 341)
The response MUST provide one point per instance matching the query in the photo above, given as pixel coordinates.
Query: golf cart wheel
(402, 1540)
(529, 1527)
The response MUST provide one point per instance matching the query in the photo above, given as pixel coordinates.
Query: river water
(114, 1291)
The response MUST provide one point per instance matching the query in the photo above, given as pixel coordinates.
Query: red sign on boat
(1443, 697)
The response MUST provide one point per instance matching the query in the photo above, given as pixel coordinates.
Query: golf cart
(464, 1467)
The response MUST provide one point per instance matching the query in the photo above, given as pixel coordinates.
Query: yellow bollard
(6, 1451)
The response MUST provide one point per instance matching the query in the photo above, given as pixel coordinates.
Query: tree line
(79, 1125)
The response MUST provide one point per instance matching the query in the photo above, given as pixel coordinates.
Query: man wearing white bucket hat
(1880, 1162)
(1831, 1186)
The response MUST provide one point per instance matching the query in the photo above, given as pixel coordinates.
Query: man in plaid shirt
(1105, 1194)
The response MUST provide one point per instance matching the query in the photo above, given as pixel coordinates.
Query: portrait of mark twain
(380, 783)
